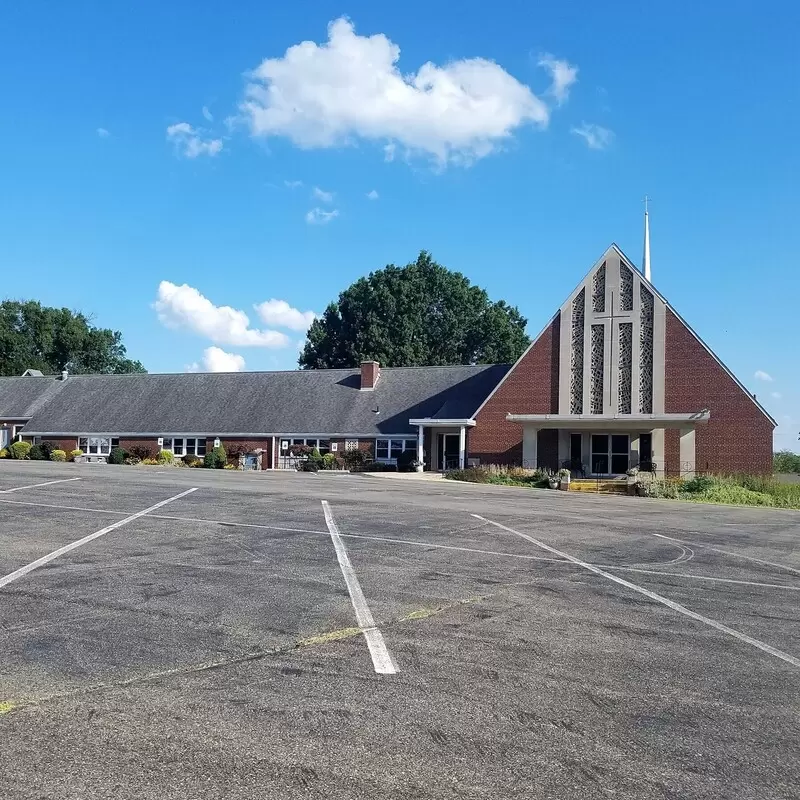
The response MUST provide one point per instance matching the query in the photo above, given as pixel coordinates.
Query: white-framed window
(182, 446)
(323, 445)
(93, 445)
(390, 449)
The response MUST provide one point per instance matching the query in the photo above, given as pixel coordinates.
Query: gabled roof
(299, 402)
(21, 397)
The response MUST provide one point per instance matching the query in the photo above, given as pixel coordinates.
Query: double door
(610, 453)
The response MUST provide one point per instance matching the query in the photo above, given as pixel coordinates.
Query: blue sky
(160, 160)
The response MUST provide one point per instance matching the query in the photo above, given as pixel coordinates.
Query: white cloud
(282, 315)
(373, 195)
(184, 307)
(563, 75)
(103, 133)
(190, 142)
(321, 195)
(318, 216)
(777, 395)
(215, 359)
(207, 114)
(596, 136)
(760, 375)
(293, 184)
(351, 88)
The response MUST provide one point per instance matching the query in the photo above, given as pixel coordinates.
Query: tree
(418, 315)
(786, 461)
(33, 336)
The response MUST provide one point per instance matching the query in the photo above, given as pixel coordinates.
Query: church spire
(646, 256)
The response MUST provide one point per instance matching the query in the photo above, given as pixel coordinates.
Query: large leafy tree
(33, 336)
(418, 315)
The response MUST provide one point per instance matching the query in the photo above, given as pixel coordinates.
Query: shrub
(58, 455)
(355, 458)
(308, 466)
(316, 457)
(151, 462)
(407, 461)
(47, 449)
(76, 453)
(664, 489)
(117, 456)
(192, 461)
(210, 460)
(132, 461)
(230, 466)
(329, 461)
(220, 457)
(20, 450)
(36, 453)
(700, 483)
(4, 453)
(143, 451)
(165, 457)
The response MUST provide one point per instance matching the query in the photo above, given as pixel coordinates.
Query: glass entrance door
(448, 451)
(610, 453)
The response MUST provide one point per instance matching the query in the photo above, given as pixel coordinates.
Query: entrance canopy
(442, 425)
(622, 422)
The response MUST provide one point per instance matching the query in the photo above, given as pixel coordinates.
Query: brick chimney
(370, 374)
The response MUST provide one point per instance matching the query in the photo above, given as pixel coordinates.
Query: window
(185, 447)
(390, 449)
(97, 445)
(323, 445)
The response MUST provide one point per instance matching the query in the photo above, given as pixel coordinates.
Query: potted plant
(553, 481)
(632, 477)
(565, 476)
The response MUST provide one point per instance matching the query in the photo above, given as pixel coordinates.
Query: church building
(615, 380)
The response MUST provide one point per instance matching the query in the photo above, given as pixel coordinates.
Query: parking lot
(268, 635)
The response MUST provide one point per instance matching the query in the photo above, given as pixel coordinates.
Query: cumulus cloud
(321, 195)
(760, 375)
(103, 133)
(183, 307)
(350, 88)
(189, 141)
(318, 216)
(562, 74)
(280, 314)
(595, 136)
(373, 195)
(215, 359)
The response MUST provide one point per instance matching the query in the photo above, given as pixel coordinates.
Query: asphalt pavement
(184, 634)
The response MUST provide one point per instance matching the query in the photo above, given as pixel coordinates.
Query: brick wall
(531, 388)
(235, 446)
(738, 437)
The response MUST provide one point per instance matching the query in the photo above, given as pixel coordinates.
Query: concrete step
(599, 487)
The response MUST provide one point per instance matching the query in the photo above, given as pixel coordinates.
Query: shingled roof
(258, 403)
(21, 397)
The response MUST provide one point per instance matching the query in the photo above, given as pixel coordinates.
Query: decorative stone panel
(625, 288)
(597, 369)
(599, 289)
(576, 353)
(625, 367)
(646, 352)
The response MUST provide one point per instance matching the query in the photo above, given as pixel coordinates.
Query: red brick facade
(738, 436)
(531, 388)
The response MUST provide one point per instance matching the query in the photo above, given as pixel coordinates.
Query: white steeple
(646, 256)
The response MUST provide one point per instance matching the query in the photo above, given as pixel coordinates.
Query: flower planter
(553, 483)
(564, 485)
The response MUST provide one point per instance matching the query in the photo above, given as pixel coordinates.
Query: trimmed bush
(192, 461)
(37, 453)
(220, 457)
(143, 451)
(210, 460)
(165, 457)
(58, 455)
(76, 453)
(20, 450)
(4, 453)
(329, 461)
(116, 456)
(353, 459)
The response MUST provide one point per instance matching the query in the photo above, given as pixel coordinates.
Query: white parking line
(742, 637)
(40, 562)
(731, 553)
(37, 485)
(381, 660)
